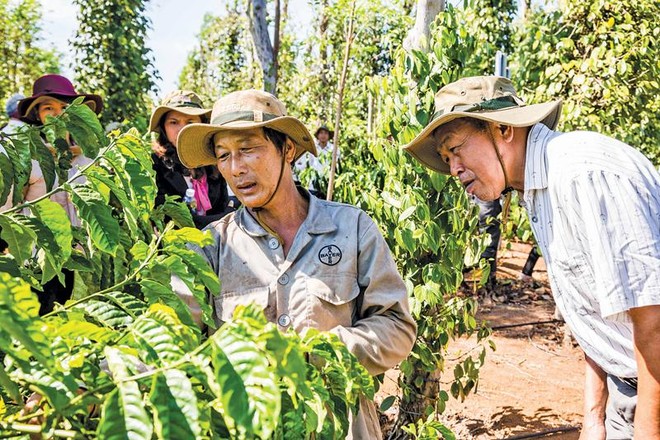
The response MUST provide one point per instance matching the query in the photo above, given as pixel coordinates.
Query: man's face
(472, 158)
(323, 136)
(250, 163)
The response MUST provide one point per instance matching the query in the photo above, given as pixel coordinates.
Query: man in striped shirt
(594, 207)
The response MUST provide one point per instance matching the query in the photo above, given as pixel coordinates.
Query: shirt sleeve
(384, 331)
(620, 217)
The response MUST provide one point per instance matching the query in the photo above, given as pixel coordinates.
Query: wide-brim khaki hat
(182, 101)
(490, 98)
(242, 110)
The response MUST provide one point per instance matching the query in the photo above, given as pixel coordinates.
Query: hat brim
(161, 110)
(424, 146)
(195, 141)
(25, 106)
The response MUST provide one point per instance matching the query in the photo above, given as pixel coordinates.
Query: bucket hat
(59, 87)
(242, 110)
(490, 98)
(183, 101)
(324, 127)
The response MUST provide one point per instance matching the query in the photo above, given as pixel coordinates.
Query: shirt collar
(319, 220)
(536, 165)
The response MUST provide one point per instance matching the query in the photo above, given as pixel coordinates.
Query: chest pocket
(333, 301)
(226, 302)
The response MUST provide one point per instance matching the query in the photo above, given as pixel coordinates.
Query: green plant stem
(79, 174)
(174, 365)
(116, 287)
(36, 429)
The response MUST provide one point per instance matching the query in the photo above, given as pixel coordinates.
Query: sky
(175, 26)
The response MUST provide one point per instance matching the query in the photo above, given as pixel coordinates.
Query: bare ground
(531, 386)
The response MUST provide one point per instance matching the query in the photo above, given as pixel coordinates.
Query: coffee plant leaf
(115, 310)
(18, 152)
(156, 291)
(103, 228)
(175, 406)
(198, 266)
(40, 152)
(131, 214)
(160, 334)
(19, 235)
(124, 415)
(84, 127)
(7, 181)
(238, 353)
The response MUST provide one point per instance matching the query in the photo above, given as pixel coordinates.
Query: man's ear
(289, 150)
(505, 132)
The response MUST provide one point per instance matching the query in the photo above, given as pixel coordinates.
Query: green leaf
(258, 382)
(81, 329)
(116, 309)
(175, 406)
(9, 265)
(177, 267)
(155, 291)
(19, 310)
(7, 172)
(161, 334)
(198, 266)
(19, 236)
(124, 416)
(40, 152)
(387, 403)
(84, 127)
(55, 238)
(178, 212)
(97, 215)
(407, 213)
(56, 387)
(9, 385)
(130, 211)
(188, 235)
(18, 151)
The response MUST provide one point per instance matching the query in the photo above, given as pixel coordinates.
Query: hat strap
(489, 105)
(506, 192)
(251, 116)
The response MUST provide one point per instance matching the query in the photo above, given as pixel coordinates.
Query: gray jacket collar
(318, 221)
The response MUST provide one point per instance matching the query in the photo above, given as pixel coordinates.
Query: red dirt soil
(531, 386)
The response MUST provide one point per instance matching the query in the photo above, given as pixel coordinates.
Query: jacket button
(284, 320)
(534, 219)
(273, 243)
(284, 279)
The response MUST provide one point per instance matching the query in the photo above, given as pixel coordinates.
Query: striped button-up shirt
(594, 207)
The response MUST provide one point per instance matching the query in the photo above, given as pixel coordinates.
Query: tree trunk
(266, 54)
(350, 35)
(418, 37)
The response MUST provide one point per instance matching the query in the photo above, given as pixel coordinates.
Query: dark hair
(276, 137)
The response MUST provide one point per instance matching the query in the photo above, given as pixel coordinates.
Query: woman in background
(211, 200)
(51, 94)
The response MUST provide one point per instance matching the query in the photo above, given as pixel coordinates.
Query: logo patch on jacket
(330, 255)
